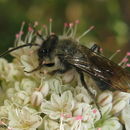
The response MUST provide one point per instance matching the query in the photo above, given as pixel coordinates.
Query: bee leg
(95, 48)
(59, 71)
(91, 94)
(37, 68)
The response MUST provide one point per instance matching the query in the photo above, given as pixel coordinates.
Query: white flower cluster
(36, 101)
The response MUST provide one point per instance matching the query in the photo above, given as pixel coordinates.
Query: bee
(71, 55)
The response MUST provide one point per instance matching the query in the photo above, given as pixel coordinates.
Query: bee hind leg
(90, 93)
(59, 71)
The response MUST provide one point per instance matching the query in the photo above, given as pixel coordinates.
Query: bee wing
(119, 77)
(101, 68)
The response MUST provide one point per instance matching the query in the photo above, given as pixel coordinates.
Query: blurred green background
(111, 19)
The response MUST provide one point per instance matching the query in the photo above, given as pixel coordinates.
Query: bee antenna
(92, 27)
(19, 47)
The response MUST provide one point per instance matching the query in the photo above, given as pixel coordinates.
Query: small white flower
(109, 124)
(5, 109)
(58, 105)
(81, 95)
(86, 111)
(8, 71)
(28, 85)
(55, 85)
(19, 98)
(49, 124)
(25, 61)
(24, 119)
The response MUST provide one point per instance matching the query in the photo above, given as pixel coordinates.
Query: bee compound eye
(44, 51)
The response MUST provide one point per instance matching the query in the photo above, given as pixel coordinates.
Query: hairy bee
(71, 55)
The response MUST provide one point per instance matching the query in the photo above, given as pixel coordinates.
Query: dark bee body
(101, 69)
(84, 60)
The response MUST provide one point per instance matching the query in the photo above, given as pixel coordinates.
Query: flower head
(53, 102)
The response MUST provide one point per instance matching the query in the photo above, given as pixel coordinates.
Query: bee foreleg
(95, 48)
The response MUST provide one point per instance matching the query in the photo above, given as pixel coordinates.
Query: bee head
(48, 46)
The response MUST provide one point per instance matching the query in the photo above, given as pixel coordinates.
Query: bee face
(42, 53)
(48, 46)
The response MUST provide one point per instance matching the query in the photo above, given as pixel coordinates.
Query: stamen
(75, 27)
(113, 55)
(101, 50)
(125, 59)
(9, 128)
(61, 122)
(30, 29)
(3, 124)
(94, 111)
(128, 53)
(68, 116)
(31, 52)
(128, 65)
(46, 29)
(50, 26)
(17, 35)
(65, 26)
(21, 30)
(21, 33)
(70, 29)
(35, 23)
(79, 117)
(22, 26)
(92, 27)
(124, 63)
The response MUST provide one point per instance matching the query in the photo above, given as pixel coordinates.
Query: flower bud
(44, 89)
(105, 98)
(118, 96)
(106, 109)
(117, 107)
(36, 98)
